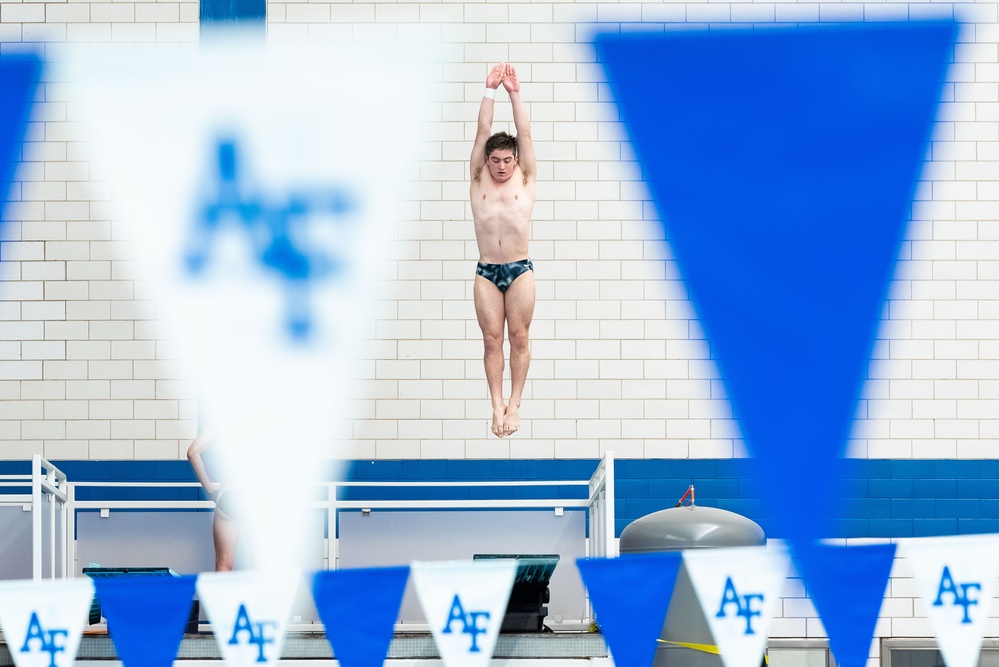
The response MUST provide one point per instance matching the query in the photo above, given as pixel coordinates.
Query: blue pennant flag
(630, 596)
(19, 77)
(847, 585)
(359, 609)
(146, 616)
(783, 164)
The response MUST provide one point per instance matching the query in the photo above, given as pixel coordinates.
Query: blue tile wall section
(215, 14)
(881, 498)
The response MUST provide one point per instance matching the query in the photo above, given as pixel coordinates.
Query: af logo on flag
(249, 613)
(42, 621)
(739, 590)
(955, 578)
(464, 602)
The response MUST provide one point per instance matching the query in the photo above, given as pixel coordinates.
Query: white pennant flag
(464, 602)
(263, 188)
(739, 590)
(249, 613)
(42, 621)
(955, 578)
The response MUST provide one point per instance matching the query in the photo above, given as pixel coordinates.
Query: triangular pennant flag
(146, 616)
(464, 602)
(261, 224)
(739, 591)
(42, 621)
(847, 586)
(249, 613)
(630, 596)
(359, 609)
(19, 76)
(955, 578)
(783, 164)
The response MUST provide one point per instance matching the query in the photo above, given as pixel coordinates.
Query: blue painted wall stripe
(882, 498)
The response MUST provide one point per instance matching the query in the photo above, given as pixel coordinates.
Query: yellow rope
(705, 648)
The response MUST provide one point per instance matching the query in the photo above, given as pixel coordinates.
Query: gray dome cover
(690, 527)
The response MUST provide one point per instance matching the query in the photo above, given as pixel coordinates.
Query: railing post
(68, 529)
(36, 517)
(331, 517)
(610, 549)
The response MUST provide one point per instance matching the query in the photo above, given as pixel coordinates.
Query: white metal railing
(599, 504)
(601, 508)
(45, 495)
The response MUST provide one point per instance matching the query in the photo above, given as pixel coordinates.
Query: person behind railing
(225, 528)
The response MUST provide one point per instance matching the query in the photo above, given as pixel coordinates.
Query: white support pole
(610, 547)
(69, 526)
(331, 518)
(36, 517)
(52, 531)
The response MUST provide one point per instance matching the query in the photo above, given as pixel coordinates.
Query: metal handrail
(48, 481)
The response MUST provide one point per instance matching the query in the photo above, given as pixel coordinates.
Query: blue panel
(977, 488)
(698, 469)
(86, 471)
(453, 493)
(866, 468)
(574, 492)
(665, 489)
(934, 488)
(977, 526)
(913, 508)
(957, 468)
(990, 505)
(523, 470)
(431, 470)
(890, 527)
(567, 468)
(889, 488)
(869, 508)
(471, 470)
(233, 14)
(174, 471)
(632, 488)
(534, 492)
(657, 468)
(713, 491)
(15, 467)
(913, 469)
(934, 527)
(130, 471)
(375, 470)
(947, 508)
(849, 527)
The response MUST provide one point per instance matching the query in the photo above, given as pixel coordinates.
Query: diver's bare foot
(511, 423)
(499, 416)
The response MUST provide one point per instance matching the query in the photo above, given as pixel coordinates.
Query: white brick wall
(619, 362)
